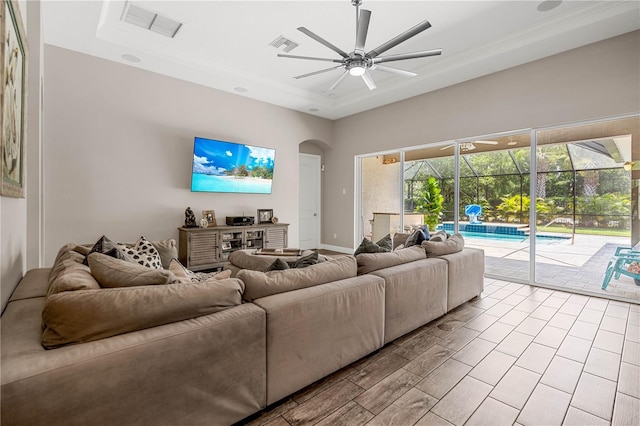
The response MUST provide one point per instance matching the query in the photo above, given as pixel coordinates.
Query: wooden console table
(207, 248)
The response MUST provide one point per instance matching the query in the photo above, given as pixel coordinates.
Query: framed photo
(210, 215)
(265, 216)
(13, 93)
(226, 246)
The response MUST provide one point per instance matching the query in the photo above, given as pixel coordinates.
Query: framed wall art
(210, 216)
(13, 96)
(265, 216)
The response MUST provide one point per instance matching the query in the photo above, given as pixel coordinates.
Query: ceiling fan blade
(368, 80)
(323, 41)
(402, 56)
(318, 72)
(363, 28)
(399, 39)
(391, 70)
(311, 58)
(339, 80)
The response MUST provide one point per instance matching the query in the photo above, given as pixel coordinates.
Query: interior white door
(309, 201)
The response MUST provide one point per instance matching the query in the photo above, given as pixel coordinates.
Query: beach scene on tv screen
(220, 166)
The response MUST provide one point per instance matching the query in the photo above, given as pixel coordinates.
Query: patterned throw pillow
(143, 253)
(200, 277)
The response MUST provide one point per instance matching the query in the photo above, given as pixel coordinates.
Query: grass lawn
(589, 231)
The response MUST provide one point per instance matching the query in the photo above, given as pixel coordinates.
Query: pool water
(500, 232)
(540, 239)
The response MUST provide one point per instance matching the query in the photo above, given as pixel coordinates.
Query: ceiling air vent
(150, 20)
(283, 41)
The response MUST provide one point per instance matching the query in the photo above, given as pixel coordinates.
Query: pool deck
(577, 265)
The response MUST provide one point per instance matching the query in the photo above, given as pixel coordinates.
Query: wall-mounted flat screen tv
(220, 166)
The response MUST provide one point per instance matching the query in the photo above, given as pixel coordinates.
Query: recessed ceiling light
(241, 89)
(512, 143)
(130, 58)
(548, 5)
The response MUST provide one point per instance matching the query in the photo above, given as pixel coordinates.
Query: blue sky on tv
(215, 157)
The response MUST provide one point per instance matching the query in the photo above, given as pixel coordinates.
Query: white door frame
(318, 160)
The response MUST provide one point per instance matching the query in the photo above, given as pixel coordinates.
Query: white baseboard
(346, 250)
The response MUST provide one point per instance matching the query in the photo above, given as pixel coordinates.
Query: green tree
(430, 202)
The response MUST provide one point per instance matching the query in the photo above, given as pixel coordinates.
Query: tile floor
(518, 355)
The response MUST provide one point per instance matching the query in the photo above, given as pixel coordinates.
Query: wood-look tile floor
(517, 355)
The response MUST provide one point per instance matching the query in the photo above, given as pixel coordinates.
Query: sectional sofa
(217, 359)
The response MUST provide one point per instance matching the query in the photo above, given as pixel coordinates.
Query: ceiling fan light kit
(358, 62)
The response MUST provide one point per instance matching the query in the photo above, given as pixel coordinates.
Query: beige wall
(595, 81)
(13, 211)
(108, 125)
(119, 146)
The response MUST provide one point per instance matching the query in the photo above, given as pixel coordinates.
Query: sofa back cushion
(452, 244)
(112, 273)
(69, 274)
(369, 262)
(261, 284)
(87, 315)
(246, 259)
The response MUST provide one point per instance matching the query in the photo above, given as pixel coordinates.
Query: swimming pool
(514, 233)
(540, 239)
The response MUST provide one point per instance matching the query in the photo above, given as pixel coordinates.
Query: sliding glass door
(548, 206)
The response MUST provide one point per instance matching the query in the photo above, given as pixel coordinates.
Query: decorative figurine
(189, 218)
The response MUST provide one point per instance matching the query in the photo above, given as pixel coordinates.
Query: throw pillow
(368, 246)
(425, 229)
(416, 238)
(278, 265)
(399, 239)
(200, 277)
(453, 244)
(439, 236)
(111, 273)
(104, 245)
(167, 250)
(385, 242)
(143, 253)
(183, 275)
(305, 261)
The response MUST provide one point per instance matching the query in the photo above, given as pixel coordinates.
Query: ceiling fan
(469, 146)
(359, 62)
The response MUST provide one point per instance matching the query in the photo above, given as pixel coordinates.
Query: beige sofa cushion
(87, 315)
(112, 273)
(261, 284)
(369, 262)
(167, 249)
(453, 244)
(69, 274)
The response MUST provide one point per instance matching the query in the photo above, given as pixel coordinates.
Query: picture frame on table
(210, 216)
(265, 215)
(226, 246)
(13, 92)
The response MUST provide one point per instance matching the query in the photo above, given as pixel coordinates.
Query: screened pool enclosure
(584, 181)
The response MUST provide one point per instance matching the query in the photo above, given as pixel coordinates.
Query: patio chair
(619, 264)
(473, 211)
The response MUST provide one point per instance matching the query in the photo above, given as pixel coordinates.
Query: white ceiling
(225, 44)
